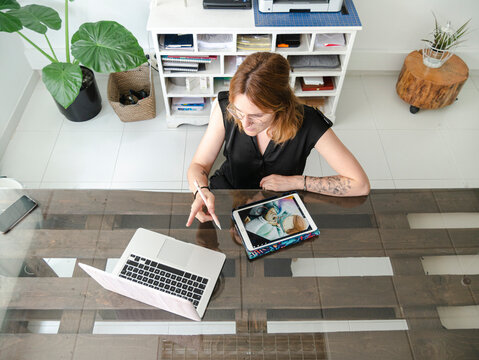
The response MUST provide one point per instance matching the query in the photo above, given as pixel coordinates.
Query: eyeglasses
(238, 115)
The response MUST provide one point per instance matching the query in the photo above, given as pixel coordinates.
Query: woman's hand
(281, 183)
(200, 210)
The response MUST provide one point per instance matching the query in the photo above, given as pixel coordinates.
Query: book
(200, 67)
(180, 64)
(189, 101)
(189, 59)
(328, 85)
(180, 69)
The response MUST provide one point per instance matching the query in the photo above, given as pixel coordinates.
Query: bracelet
(202, 187)
(304, 186)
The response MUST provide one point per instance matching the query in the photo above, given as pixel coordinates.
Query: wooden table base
(427, 88)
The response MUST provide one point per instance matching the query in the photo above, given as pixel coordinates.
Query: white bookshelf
(172, 17)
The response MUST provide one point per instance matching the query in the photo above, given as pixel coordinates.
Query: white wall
(133, 14)
(391, 28)
(16, 84)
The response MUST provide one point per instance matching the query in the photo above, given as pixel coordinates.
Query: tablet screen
(274, 220)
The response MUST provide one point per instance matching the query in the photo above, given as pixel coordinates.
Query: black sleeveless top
(245, 166)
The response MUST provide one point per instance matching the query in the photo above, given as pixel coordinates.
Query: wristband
(304, 186)
(202, 187)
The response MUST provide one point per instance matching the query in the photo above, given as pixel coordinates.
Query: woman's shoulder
(314, 116)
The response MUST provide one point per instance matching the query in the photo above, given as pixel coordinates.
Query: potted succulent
(443, 44)
(103, 46)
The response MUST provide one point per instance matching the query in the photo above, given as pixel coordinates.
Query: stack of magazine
(179, 63)
(188, 103)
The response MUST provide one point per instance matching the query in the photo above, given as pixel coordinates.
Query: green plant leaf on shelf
(38, 18)
(9, 4)
(107, 46)
(63, 81)
(9, 23)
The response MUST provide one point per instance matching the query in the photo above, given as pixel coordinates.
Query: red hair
(264, 78)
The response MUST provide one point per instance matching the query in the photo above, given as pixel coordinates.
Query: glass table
(391, 276)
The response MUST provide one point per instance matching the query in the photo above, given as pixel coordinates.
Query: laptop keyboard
(164, 278)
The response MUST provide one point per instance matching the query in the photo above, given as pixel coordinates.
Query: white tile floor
(431, 149)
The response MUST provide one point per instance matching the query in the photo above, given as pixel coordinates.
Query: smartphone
(16, 212)
(273, 221)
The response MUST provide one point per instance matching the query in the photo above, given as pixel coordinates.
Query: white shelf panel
(330, 50)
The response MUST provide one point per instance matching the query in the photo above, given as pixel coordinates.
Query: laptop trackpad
(175, 252)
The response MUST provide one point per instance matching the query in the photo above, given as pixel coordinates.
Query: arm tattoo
(330, 185)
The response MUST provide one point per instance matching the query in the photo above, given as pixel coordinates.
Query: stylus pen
(213, 215)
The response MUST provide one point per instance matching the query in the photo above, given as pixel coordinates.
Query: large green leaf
(9, 4)
(38, 18)
(63, 81)
(106, 46)
(9, 23)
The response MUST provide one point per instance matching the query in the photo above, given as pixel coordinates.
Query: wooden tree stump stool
(426, 88)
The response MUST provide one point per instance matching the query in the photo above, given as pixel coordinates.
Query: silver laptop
(164, 272)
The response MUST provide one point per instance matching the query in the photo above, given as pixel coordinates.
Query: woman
(268, 136)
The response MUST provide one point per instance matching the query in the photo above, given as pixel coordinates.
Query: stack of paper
(188, 103)
(253, 42)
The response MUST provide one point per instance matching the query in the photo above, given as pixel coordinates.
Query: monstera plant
(103, 46)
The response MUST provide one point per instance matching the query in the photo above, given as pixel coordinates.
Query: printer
(269, 6)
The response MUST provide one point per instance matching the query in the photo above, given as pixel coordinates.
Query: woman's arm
(350, 181)
(202, 162)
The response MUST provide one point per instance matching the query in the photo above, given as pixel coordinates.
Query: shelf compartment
(305, 43)
(251, 43)
(315, 63)
(232, 63)
(320, 102)
(191, 114)
(212, 68)
(321, 40)
(211, 43)
(219, 85)
(308, 93)
(183, 39)
(176, 87)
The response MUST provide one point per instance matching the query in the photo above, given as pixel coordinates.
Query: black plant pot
(88, 102)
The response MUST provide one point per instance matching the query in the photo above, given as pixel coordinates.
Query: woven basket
(136, 79)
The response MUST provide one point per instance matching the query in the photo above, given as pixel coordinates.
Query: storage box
(137, 79)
